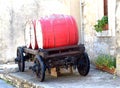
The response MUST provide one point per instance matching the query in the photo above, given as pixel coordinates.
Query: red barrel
(55, 31)
(51, 32)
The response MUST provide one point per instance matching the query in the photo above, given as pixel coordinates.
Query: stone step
(27, 79)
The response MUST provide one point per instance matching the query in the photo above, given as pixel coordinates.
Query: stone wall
(15, 13)
(95, 44)
(13, 16)
(118, 36)
(89, 20)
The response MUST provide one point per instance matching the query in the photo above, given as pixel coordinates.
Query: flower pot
(106, 69)
(105, 27)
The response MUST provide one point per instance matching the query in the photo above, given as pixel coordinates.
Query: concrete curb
(18, 82)
(8, 72)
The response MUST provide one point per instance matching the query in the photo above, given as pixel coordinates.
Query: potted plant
(106, 63)
(102, 24)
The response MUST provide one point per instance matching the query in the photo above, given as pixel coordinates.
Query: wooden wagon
(62, 57)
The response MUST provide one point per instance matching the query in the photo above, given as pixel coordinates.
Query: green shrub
(101, 23)
(106, 60)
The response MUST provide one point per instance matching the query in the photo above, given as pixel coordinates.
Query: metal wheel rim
(21, 63)
(40, 72)
(83, 65)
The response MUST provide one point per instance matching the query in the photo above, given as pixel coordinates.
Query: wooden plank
(63, 54)
(34, 52)
(62, 48)
(45, 52)
(30, 51)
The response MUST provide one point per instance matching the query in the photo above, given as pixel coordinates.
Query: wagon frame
(74, 56)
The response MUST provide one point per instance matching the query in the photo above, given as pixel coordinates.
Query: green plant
(101, 23)
(105, 61)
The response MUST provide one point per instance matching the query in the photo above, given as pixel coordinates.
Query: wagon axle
(34, 67)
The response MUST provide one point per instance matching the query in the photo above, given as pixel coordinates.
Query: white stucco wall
(15, 13)
(96, 43)
(118, 37)
(13, 25)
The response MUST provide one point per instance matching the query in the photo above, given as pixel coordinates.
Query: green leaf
(106, 60)
(101, 23)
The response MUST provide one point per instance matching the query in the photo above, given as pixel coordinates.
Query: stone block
(118, 64)
(118, 42)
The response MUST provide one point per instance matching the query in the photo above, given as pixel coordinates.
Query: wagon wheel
(21, 61)
(83, 64)
(39, 68)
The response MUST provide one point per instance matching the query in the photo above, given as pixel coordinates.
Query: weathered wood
(63, 54)
(30, 51)
(55, 53)
(46, 53)
(34, 52)
(62, 48)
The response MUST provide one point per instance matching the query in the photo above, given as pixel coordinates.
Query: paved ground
(3, 84)
(95, 79)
